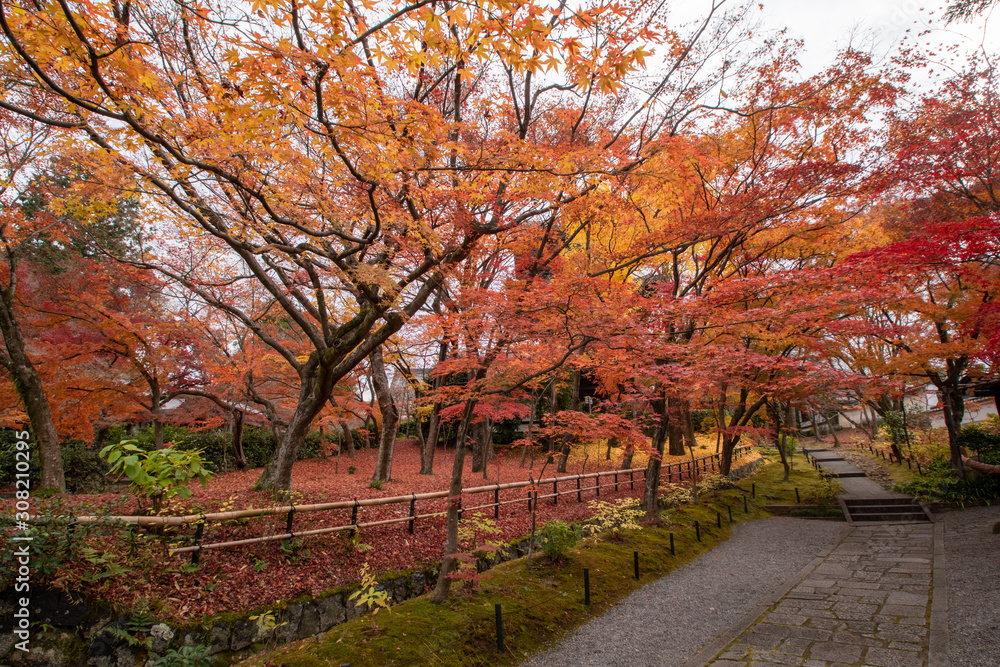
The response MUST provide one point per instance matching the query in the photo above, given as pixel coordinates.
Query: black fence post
(199, 529)
(631, 479)
(529, 501)
(413, 511)
(288, 522)
(354, 517)
(697, 530)
(499, 613)
(753, 490)
(672, 552)
(635, 562)
(579, 496)
(798, 501)
(496, 502)
(586, 586)
(616, 481)
(597, 485)
(746, 510)
(718, 519)
(729, 508)
(555, 492)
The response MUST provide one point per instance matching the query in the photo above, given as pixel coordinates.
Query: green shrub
(558, 537)
(941, 482)
(982, 439)
(159, 474)
(505, 432)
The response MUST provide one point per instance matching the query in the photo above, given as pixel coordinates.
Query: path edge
(937, 645)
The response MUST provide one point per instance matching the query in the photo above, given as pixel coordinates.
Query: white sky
(825, 26)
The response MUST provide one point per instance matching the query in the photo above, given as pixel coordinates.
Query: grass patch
(899, 474)
(544, 604)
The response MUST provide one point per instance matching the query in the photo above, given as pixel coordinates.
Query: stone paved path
(868, 602)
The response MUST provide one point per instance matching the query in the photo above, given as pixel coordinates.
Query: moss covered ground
(544, 604)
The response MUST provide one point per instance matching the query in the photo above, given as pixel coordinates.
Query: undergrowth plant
(941, 482)
(185, 656)
(614, 517)
(474, 531)
(157, 475)
(558, 537)
(368, 595)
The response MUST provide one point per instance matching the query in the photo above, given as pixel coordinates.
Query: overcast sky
(825, 25)
(828, 25)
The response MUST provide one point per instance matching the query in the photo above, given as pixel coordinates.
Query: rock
(418, 583)
(97, 627)
(124, 657)
(101, 646)
(6, 645)
(261, 632)
(331, 612)
(288, 624)
(244, 634)
(161, 635)
(399, 589)
(353, 609)
(218, 638)
(309, 625)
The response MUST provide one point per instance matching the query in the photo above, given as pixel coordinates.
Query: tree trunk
(553, 409)
(676, 440)
(454, 501)
(527, 438)
(30, 389)
(954, 413)
(434, 425)
(612, 442)
(390, 417)
(490, 453)
(316, 386)
(241, 460)
(650, 494)
(687, 423)
(348, 438)
(479, 447)
(154, 402)
(779, 442)
(574, 405)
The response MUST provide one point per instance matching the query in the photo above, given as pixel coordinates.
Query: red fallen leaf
(331, 561)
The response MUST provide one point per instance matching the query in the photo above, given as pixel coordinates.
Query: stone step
(864, 502)
(871, 517)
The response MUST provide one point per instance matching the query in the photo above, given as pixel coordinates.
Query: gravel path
(972, 553)
(668, 621)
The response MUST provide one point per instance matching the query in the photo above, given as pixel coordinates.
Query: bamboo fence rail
(676, 471)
